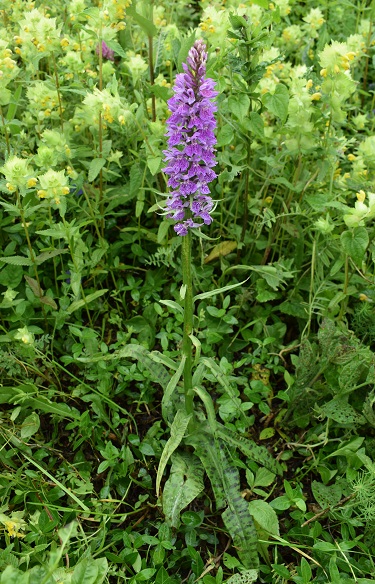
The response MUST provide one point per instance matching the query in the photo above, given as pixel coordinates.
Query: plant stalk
(188, 321)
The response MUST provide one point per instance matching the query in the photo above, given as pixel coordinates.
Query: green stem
(188, 321)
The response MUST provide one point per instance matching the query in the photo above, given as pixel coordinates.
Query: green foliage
(271, 478)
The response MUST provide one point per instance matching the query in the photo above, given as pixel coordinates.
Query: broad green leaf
(12, 575)
(178, 428)
(90, 571)
(277, 103)
(236, 517)
(264, 516)
(204, 445)
(30, 426)
(239, 105)
(355, 243)
(326, 495)
(96, 165)
(225, 136)
(84, 301)
(154, 164)
(182, 487)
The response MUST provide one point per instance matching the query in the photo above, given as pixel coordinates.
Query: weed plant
(185, 405)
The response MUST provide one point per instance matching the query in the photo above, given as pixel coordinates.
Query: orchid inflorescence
(191, 154)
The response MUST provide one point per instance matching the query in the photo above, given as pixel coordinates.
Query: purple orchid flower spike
(190, 156)
(107, 53)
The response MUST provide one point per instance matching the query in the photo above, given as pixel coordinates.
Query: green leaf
(355, 243)
(183, 486)
(236, 517)
(257, 453)
(178, 428)
(17, 261)
(169, 389)
(225, 136)
(255, 124)
(154, 164)
(278, 102)
(46, 255)
(146, 25)
(239, 105)
(204, 445)
(117, 48)
(326, 495)
(90, 571)
(184, 49)
(96, 165)
(218, 291)
(84, 301)
(30, 426)
(264, 516)
(246, 577)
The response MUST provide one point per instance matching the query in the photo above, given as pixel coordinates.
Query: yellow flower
(361, 195)
(316, 96)
(31, 183)
(42, 194)
(351, 157)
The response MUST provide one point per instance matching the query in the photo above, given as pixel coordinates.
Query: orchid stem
(188, 321)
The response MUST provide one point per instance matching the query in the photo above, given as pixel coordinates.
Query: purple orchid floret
(107, 53)
(190, 156)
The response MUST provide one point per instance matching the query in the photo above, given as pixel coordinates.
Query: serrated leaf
(84, 301)
(17, 261)
(220, 250)
(277, 103)
(355, 243)
(178, 428)
(183, 486)
(117, 48)
(46, 255)
(95, 167)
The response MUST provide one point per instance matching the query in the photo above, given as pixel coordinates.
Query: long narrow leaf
(178, 428)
